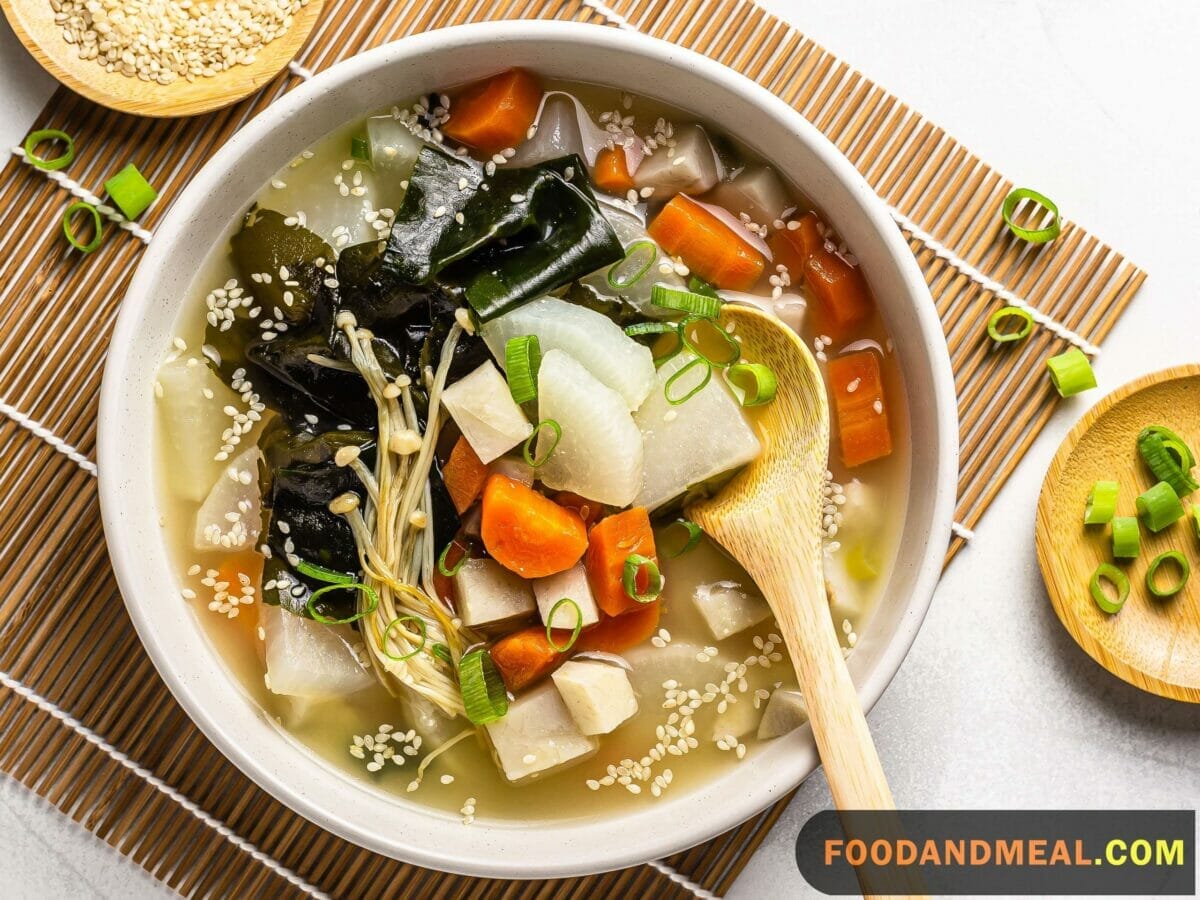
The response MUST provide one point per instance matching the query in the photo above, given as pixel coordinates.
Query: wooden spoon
(769, 518)
(33, 23)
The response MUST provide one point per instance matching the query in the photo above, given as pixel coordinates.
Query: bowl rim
(477, 860)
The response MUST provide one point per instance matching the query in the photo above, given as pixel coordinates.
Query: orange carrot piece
(525, 656)
(610, 543)
(230, 571)
(527, 533)
(612, 171)
(495, 114)
(856, 384)
(709, 247)
(464, 476)
(589, 510)
(843, 299)
(616, 634)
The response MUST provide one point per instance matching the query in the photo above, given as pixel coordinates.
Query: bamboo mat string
(37, 428)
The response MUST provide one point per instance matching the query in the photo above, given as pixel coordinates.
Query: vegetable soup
(432, 420)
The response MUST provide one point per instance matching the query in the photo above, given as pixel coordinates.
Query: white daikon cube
(191, 400)
(785, 713)
(571, 584)
(727, 609)
(230, 517)
(486, 413)
(538, 735)
(487, 592)
(598, 696)
(692, 168)
(307, 659)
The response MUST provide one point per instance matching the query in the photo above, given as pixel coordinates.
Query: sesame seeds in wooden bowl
(160, 58)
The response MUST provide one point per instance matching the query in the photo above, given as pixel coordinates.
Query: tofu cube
(692, 168)
(598, 695)
(538, 735)
(785, 713)
(727, 609)
(487, 593)
(486, 413)
(572, 584)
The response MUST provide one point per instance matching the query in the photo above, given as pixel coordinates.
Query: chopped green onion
(1101, 503)
(360, 149)
(1034, 235)
(698, 361)
(442, 652)
(754, 382)
(320, 573)
(701, 305)
(131, 192)
(630, 270)
(574, 633)
(1196, 518)
(372, 602)
(422, 628)
(699, 321)
(1009, 312)
(1159, 507)
(485, 698)
(640, 328)
(54, 163)
(1071, 372)
(462, 560)
(694, 534)
(698, 285)
(522, 359)
(635, 564)
(527, 449)
(1185, 571)
(1175, 445)
(97, 225)
(1126, 537)
(1114, 576)
(1165, 464)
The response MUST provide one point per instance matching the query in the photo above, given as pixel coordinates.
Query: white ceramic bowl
(190, 665)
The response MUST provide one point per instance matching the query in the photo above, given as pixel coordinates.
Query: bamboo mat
(131, 767)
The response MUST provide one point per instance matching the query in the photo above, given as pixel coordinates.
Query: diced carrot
(616, 634)
(464, 476)
(612, 171)
(526, 656)
(856, 384)
(610, 543)
(589, 510)
(231, 571)
(527, 533)
(709, 247)
(495, 114)
(843, 300)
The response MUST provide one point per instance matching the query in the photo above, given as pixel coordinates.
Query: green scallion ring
(574, 632)
(320, 573)
(634, 564)
(1185, 571)
(1126, 537)
(694, 534)
(442, 652)
(999, 317)
(698, 305)
(54, 163)
(372, 602)
(1114, 576)
(630, 270)
(1163, 463)
(1175, 445)
(422, 628)
(441, 564)
(639, 328)
(522, 359)
(360, 149)
(698, 361)
(1032, 235)
(1071, 372)
(527, 447)
(131, 192)
(755, 383)
(97, 224)
(698, 285)
(734, 346)
(485, 698)
(1159, 507)
(1101, 503)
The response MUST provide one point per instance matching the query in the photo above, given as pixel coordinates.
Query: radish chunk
(538, 736)
(394, 150)
(598, 695)
(785, 713)
(756, 191)
(488, 593)
(727, 609)
(692, 168)
(600, 453)
(485, 412)
(590, 338)
(698, 439)
(191, 401)
(573, 585)
(230, 517)
(307, 659)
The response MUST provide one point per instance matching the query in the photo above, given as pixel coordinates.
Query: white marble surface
(1093, 102)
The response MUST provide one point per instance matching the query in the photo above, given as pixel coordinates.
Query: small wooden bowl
(1152, 643)
(33, 23)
